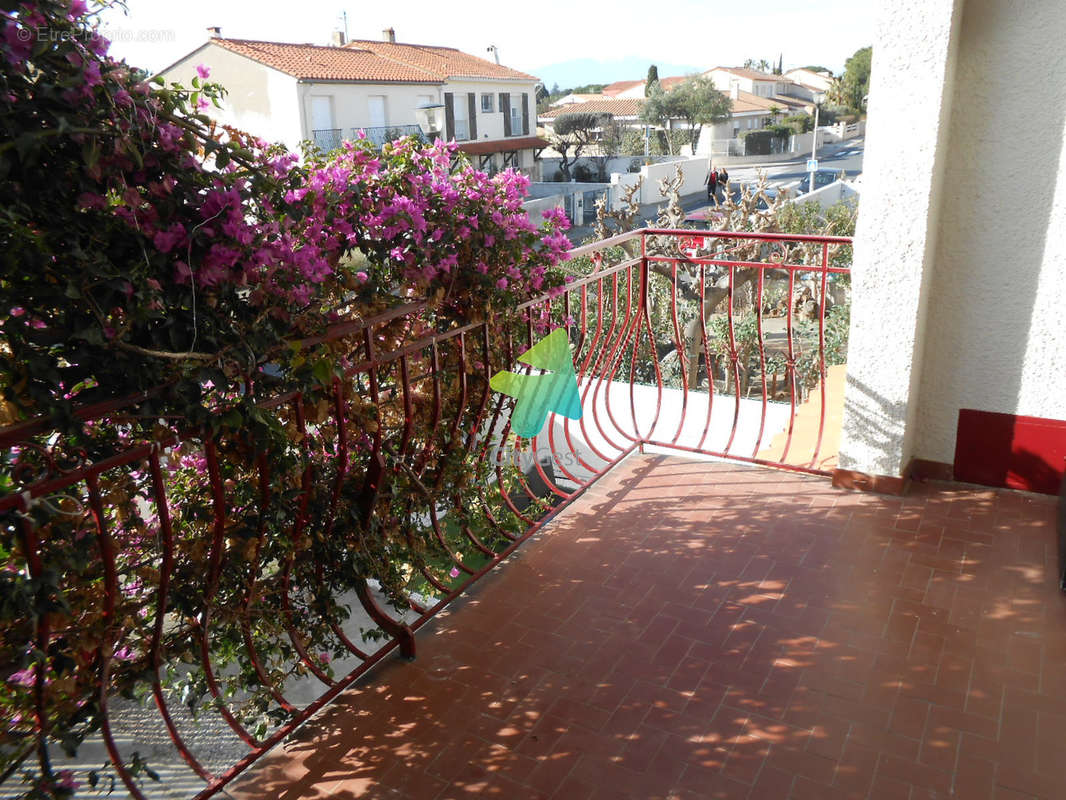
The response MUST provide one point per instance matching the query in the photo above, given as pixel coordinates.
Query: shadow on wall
(1002, 170)
(877, 432)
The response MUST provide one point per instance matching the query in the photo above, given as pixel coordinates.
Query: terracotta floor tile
(748, 634)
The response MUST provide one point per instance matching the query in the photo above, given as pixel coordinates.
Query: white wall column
(895, 240)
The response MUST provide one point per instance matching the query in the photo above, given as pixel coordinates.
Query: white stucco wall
(351, 103)
(259, 100)
(996, 338)
(896, 237)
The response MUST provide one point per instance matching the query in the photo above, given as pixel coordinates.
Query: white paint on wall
(995, 340)
(895, 241)
(259, 100)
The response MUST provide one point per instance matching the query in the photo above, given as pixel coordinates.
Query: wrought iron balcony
(327, 139)
(689, 628)
(388, 133)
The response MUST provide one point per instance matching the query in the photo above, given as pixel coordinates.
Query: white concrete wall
(694, 171)
(915, 52)
(830, 195)
(996, 339)
(536, 208)
(259, 100)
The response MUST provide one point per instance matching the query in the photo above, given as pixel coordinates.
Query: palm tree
(775, 111)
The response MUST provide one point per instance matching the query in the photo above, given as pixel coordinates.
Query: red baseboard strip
(878, 484)
(1010, 450)
(922, 469)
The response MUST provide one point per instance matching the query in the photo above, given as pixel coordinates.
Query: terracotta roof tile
(442, 62)
(753, 74)
(619, 86)
(620, 107)
(316, 62)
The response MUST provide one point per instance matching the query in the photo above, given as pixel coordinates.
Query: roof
(752, 74)
(441, 62)
(310, 61)
(576, 98)
(748, 102)
(619, 86)
(501, 145)
(620, 107)
(672, 81)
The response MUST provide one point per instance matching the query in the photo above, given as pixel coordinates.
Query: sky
(686, 33)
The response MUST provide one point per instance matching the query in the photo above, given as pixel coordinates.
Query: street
(789, 176)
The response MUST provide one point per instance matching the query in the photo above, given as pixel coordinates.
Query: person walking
(723, 181)
(712, 185)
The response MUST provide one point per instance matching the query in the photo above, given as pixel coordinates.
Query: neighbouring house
(290, 92)
(617, 88)
(762, 84)
(572, 98)
(811, 80)
(635, 89)
(624, 110)
(749, 111)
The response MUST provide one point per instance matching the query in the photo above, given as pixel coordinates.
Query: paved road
(789, 175)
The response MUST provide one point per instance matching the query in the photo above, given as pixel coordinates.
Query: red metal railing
(699, 342)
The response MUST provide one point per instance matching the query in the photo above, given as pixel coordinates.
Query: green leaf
(323, 371)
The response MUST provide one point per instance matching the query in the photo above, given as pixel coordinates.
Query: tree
(652, 80)
(694, 100)
(775, 112)
(762, 64)
(574, 132)
(855, 83)
(780, 65)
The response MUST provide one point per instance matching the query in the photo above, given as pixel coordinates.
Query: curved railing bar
(734, 357)
(213, 574)
(166, 535)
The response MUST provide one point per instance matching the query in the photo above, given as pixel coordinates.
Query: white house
(635, 89)
(761, 84)
(294, 92)
(811, 80)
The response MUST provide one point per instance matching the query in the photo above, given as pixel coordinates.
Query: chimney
(389, 35)
(214, 32)
(338, 38)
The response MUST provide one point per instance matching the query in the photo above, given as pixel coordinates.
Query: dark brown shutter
(449, 116)
(525, 114)
(472, 105)
(505, 107)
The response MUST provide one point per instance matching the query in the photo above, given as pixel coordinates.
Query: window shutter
(525, 114)
(472, 105)
(449, 116)
(505, 107)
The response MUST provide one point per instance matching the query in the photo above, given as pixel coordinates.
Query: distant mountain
(580, 71)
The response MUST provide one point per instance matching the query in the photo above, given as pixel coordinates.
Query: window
(488, 104)
(376, 109)
(516, 120)
(462, 125)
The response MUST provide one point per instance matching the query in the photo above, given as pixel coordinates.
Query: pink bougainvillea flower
(203, 71)
(455, 572)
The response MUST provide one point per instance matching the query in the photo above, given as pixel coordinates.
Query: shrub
(154, 259)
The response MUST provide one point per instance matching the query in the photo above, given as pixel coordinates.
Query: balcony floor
(707, 630)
